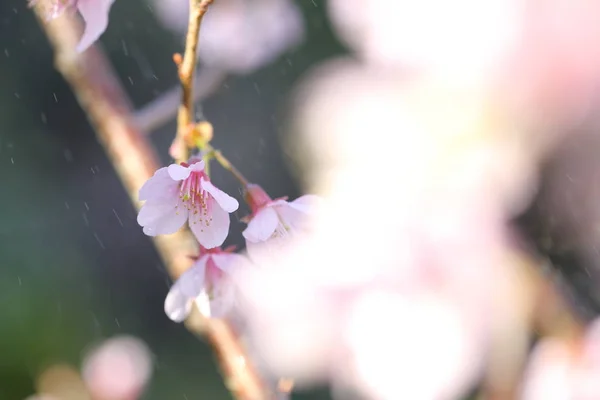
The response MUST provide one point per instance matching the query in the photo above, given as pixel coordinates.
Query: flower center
(195, 199)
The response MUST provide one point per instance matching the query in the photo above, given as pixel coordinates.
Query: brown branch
(187, 68)
(101, 97)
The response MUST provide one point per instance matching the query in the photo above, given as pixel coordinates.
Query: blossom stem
(187, 67)
(225, 163)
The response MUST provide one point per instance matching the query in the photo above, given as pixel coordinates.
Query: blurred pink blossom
(464, 37)
(423, 150)
(118, 369)
(403, 265)
(239, 35)
(553, 74)
(94, 12)
(541, 56)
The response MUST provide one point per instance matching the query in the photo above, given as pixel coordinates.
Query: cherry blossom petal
(226, 202)
(278, 202)
(262, 226)
(203, 303)
(161, 217)
(95, 13)
(223, 299)
(188, 287)
(292, 218)
(307, 203)
(220, 303)
(210, 233)
(229, 262)
(264, 252)
(179, 172)
(197, 166)
(154, 187)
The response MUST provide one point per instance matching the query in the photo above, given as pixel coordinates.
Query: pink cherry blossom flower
(178, 193)
(273, 222)
(207, 283)
(94, 13)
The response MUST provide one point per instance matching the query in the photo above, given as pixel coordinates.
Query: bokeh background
(75, 268)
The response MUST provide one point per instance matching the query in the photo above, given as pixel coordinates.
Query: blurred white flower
(239, 35)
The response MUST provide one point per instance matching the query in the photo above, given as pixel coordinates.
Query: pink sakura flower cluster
(94, 13)
(183, 193)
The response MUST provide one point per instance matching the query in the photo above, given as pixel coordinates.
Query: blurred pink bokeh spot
(118, 369)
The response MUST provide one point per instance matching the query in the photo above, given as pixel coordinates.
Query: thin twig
(103, 100)
(187, 68)
(161, 110)
(225, 163)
